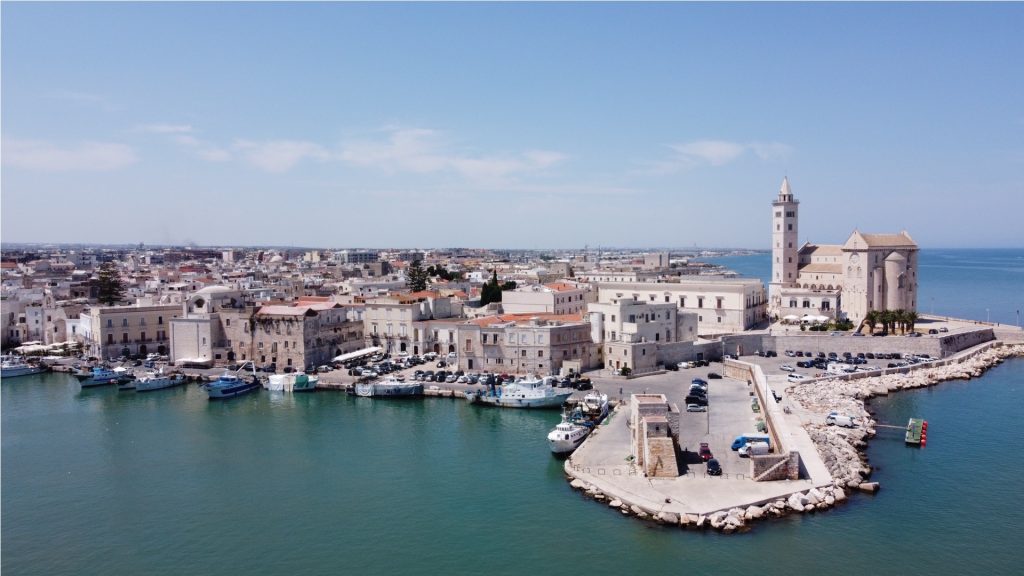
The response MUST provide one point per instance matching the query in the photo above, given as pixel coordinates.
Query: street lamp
(988, 317)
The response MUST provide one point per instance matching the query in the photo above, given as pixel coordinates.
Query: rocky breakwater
(842, 449)
(731, 520)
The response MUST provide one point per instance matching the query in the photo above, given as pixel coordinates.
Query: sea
(98, 481)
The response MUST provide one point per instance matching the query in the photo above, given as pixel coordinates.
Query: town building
(553, 298)
(113, 331)
(540, 344)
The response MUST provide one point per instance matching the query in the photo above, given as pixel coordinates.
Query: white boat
(16, 366)
(528, 392)
(387, 388)
(158, 381)
(567, 435)
(102, 376)
(296, 382)
(595, 406)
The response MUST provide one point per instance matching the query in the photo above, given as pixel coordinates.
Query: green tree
(109, 287)
(871, 319)
(491, 291)
(911, 318)
(416, 277)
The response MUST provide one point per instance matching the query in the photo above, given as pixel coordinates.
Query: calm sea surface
(975, 284)
(102, 482)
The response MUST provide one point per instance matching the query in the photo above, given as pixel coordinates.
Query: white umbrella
(807, 318)
(821, 318)
(790, 317)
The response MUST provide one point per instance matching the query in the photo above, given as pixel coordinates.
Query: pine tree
(109, 287)
(416, 277)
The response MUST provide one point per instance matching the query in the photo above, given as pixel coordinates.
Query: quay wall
(784, 462)
(937, 346)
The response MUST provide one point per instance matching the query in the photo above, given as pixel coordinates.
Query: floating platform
(917, 432)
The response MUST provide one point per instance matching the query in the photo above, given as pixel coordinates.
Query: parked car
(672, 367)
(796, 378)
(787, 368)
(583, 385)
(699, 382)
(696, 408)
(933, 331)
(714, 376)
(837, 419)
(943, 329)
(773, 354)
(695, 399)
(451, 379)
(705, 452)
(714, 468)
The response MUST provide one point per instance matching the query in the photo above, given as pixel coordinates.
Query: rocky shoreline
(843, 449)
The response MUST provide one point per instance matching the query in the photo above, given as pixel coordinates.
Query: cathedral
(868, 272)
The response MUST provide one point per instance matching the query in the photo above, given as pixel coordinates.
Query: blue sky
(511, 125)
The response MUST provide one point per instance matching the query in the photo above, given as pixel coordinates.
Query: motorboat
(528, 392)
(389, 387)
(231, 384)
(568, 434)
(295, 382)
(17, 366)
(158, 381)
(102, 376)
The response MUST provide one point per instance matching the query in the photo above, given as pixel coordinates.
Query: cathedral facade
(867, 272)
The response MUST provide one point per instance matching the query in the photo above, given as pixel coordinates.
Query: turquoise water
(101, 482)
(986, 285)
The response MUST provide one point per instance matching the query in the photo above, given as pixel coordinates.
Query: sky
(509, 125)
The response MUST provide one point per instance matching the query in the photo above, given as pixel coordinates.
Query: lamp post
(988, 317)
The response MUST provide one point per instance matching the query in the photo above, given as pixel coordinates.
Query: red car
(705, 452)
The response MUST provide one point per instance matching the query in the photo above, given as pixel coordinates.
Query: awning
(203, 361)
(357, 354)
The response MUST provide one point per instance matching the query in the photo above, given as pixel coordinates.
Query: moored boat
(389, 387)
(296, 382)
(568, 434)
(158, 381)
(528, 392)
(101, 376)
(231, 384)
(13, 366)
(595, 406)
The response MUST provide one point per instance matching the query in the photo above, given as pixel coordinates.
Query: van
(834, 419)
(754, 449)
(744, 439)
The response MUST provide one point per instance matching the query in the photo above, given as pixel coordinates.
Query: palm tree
(885, 317)
(871, 319)
(899, 317)
(911, 318)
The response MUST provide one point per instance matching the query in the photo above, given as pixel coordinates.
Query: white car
(787, 368)
(796, 378)
(696, 408)
(685, 365)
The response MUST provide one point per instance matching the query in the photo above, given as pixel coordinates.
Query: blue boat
(231, 384)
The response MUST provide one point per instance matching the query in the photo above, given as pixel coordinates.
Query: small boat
(296, 382)
(568, 434)
(13, 366)
(158, 381)
(595, 406)
(389, 387)
(231, 384)
(101, 376)
(529, 392)
(471, 395)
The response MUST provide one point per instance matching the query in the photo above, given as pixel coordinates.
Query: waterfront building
(392, 321)
(722, 305)
(112, 331)
(542, 344)
(867, 272)
(637, 335)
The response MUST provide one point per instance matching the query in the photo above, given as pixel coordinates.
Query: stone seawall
(842, 449)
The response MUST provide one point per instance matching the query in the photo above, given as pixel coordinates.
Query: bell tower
(785, 257)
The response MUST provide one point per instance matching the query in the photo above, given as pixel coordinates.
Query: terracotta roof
(561, 287)
(311, 299)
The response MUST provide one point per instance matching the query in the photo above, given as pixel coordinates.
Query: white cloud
(717, 153)
(49, 157)
(423, 150)
(279, 155)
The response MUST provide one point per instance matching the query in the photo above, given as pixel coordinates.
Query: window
(110, 323)
(142, 337)
(790, 214)
(700, 302)
(159, 319)
(523, 354)
(124, 338)
(227, 321)
(110, 337)
(124, 322)
(540, 353)
(789, 227)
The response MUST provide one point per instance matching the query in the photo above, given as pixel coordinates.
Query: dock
(917, 432)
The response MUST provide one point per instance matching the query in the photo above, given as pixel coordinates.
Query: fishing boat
(158, 381)
(595, 406)
(528, 392)
(569, 433)
(102, 376)
(231, 384)
(297, 382)
(17, 366)
(389, 387)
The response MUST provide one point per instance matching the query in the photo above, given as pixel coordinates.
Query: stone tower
(785, 257)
